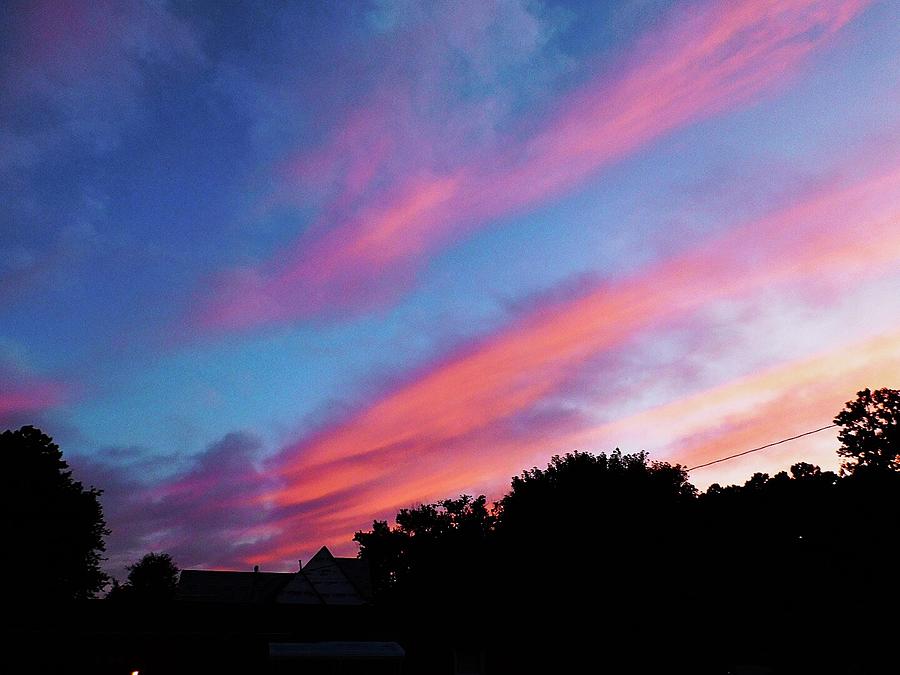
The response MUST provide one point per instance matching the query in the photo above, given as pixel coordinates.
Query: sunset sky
(272, 270)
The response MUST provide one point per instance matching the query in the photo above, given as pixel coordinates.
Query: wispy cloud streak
(454, 424)
(763, 407)
(367, 250)
(200, 515)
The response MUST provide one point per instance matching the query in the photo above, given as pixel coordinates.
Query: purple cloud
(205, 515)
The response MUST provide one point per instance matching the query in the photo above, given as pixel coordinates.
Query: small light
(135, 672)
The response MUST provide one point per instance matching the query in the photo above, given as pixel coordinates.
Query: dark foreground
(539, 637)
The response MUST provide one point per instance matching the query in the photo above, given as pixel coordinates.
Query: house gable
(325, 580)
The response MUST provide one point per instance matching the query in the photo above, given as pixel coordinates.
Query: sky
(270, 271)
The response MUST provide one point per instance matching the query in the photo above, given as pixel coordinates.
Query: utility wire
(762, 447)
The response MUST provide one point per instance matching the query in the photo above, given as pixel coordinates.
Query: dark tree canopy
(615, 557)
(430, 542)
(579, 483)
(152, 578)
(870, 431)
(54, 523)
(615, 510)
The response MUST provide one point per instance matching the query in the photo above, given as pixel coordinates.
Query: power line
(762, 447)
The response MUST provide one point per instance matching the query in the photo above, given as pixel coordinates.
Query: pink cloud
(518, 367)
(34, 396)
(194, 515)
(453, 426)
(477, 416)
(790, 398)
(747, 412)
(24, 393)
(376, 234)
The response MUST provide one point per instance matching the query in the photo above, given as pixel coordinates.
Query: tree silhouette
(617, 510)
(615, 501)
(621, 512)
(618, 556)
(152, 578)
(432, 546)
(870, 431)
(55, 523)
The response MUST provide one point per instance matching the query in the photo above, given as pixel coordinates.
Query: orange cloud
(851, 232)
(452, 428)
(760, 408)
(748, 412)
(705, 65)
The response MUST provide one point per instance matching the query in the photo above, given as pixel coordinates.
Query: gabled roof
(322, 557)
(299, 591)
(339, 581)
(324, 580)
(357, 572)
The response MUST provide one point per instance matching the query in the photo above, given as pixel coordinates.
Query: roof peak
(322, 553)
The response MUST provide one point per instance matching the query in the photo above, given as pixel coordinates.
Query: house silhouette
(324, 580)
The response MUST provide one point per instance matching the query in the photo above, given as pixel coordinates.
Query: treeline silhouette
(622, 555)
(607, 562)
(619, 559)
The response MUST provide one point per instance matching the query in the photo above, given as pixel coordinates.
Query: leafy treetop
(870, 431)
(52, 519)
(152, 578)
